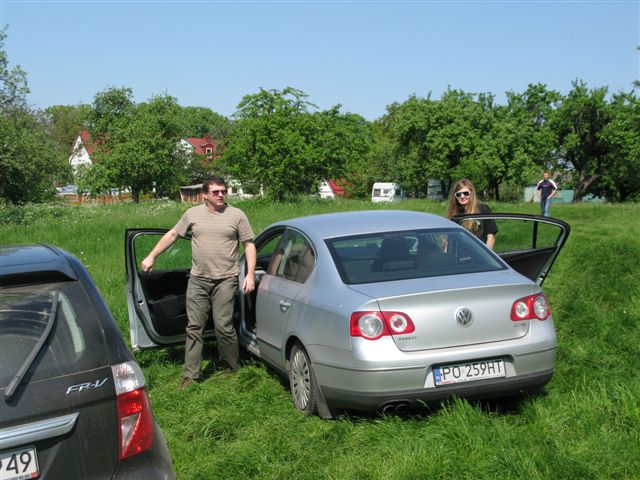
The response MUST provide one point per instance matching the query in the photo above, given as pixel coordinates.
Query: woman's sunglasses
(463, 194)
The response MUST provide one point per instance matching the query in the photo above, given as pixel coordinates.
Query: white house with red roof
(330, 189)
(205, 146)
(82, 151)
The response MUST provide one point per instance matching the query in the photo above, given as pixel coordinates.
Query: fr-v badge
(464, 317)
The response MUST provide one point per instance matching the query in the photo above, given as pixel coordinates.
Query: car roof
(29, 260)
(344, 224)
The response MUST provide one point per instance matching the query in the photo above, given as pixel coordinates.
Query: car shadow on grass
(502, 406)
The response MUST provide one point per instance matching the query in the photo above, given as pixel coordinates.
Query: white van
(386, 192)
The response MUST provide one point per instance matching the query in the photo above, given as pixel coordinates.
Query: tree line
(280, 143)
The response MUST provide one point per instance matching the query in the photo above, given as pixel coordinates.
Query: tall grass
(586, 425)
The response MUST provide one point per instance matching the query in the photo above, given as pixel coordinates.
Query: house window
(209, 150)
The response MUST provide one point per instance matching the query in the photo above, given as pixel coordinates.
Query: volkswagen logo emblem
(464, 317)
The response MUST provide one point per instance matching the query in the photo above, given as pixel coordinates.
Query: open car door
(528, 243)
(156, 299)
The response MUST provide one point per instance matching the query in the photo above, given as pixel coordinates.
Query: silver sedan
(385, 309)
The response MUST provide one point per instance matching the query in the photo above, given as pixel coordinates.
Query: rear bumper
(373, 401)
(398, 377)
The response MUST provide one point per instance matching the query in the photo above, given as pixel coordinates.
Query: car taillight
(373, 325)
(533, 307)
(134, 413)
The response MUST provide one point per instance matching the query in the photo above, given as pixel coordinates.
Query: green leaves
(136, 144)
(30, 161)
(13, 83)
(578, 123)
(280, 145)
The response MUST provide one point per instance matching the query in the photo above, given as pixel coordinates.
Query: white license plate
(469, 371)
(19, 464)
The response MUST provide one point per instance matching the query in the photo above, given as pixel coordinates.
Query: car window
(176, 257)
(293, 259)
(265, 252)
(518, 235)
(389, 256)
(75, 344)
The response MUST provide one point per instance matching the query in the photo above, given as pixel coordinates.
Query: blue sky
(363, 55)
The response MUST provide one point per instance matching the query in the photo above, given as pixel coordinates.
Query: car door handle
(284, 306)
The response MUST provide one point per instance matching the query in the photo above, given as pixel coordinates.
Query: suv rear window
(390, 256)
(75, 343)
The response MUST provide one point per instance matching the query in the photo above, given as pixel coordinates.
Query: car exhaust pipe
(398, 408)
(388, 408)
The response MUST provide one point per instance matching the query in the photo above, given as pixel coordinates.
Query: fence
(79, 199)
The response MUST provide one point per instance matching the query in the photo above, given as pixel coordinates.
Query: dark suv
(74, 403)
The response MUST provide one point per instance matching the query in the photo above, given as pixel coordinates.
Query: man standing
(217, 229)
(546, 190)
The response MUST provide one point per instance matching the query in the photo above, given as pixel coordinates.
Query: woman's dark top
(487, 227)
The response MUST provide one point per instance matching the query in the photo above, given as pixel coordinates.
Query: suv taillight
(373, 325)
(533, 307)
(134, 413)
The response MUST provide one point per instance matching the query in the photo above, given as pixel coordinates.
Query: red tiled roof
(200, 145)
(337, 189)
(85, 136)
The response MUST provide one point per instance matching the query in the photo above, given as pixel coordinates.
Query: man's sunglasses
(218, 192)
(463, 194)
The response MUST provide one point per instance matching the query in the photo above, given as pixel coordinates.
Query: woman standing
(463, 200)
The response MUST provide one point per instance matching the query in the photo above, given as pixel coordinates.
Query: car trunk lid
(433, 303)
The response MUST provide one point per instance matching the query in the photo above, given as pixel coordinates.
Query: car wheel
(302, 380)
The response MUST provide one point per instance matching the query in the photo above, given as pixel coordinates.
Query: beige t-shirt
(215, 239)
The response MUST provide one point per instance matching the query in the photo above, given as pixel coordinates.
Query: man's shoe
(186, 381)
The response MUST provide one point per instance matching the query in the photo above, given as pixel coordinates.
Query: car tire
(302, 381)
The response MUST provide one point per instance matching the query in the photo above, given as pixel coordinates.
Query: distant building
(82, 150)
(330, 189)
(205, 147)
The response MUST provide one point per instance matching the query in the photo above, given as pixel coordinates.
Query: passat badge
(464, 317)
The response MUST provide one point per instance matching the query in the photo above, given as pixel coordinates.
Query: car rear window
(75, 343)
(390, 256)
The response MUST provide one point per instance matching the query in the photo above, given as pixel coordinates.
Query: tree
(29, 161)
(203, 122)
(621, 180)
(410, 124)
(63, 124)
(279, 145)
(578, 123)
(374, 163)
(523, 137)
(13, 83)
(440, 139)
(111, 110)
(135, 144)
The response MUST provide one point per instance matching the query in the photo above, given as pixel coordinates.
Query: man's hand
(147, 263)
(250, 254)
(249, 284)
(165, 242)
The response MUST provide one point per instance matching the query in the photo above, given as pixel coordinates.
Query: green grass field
(586, 425)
